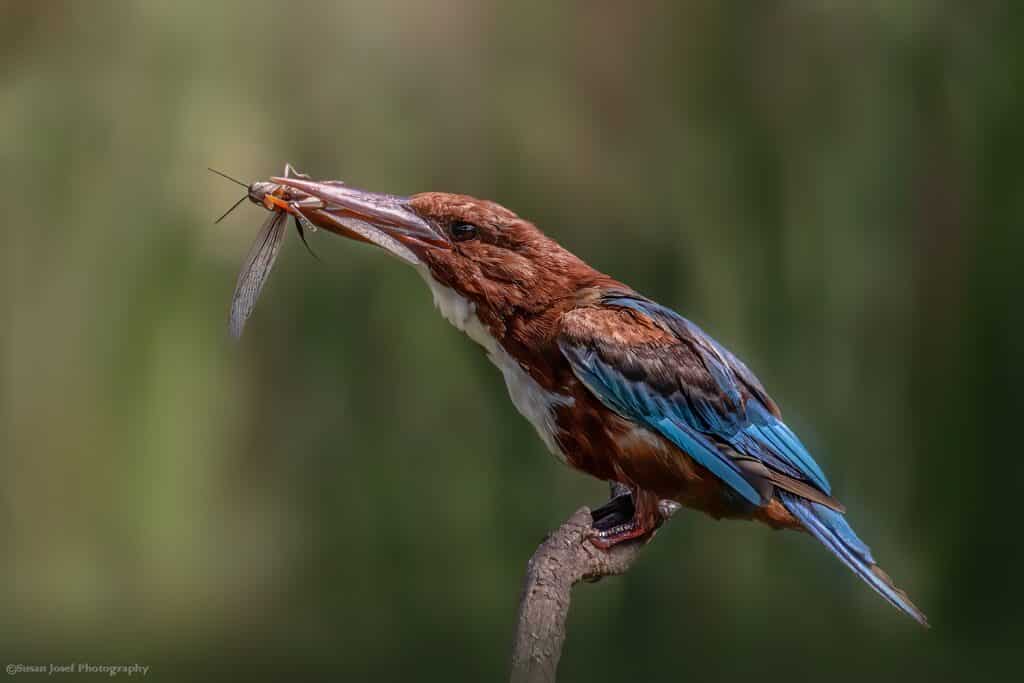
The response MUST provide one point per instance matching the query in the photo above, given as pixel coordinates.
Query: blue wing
(681, 383)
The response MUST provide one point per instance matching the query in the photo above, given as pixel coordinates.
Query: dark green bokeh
(832, 189)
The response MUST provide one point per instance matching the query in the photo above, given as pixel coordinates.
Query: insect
(280, 201)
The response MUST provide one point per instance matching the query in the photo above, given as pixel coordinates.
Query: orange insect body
(273, 203)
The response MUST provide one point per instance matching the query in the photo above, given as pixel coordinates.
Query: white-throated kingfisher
(616, 385)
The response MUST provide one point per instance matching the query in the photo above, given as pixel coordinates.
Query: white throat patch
(533, 401)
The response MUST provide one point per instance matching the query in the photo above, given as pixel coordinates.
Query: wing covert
(654, 367)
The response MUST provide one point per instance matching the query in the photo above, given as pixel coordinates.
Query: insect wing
(256, 269)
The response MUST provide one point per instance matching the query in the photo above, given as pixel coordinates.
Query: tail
(830, 527)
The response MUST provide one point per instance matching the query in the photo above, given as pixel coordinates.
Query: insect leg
(290, 172)
(300, 221)
(307, 203)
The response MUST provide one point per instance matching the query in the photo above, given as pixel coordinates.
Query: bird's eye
(463, 231)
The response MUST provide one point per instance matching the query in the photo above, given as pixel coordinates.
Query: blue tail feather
(832, 529)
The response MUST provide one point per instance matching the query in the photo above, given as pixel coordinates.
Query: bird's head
(482, 251)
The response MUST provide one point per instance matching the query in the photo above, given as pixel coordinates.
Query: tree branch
(564, 559)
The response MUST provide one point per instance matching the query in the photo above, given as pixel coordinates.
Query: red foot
(608, 538)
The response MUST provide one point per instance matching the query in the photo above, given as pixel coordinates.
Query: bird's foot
(617, 521)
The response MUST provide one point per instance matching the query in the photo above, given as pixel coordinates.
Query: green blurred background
(832, 189)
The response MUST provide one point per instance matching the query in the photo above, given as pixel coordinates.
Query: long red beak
(383, 219)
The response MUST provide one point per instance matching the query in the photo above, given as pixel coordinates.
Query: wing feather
(670, 376)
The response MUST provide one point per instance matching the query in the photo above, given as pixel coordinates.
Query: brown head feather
(518, 277)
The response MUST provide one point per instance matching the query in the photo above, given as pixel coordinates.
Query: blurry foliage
(832, 189)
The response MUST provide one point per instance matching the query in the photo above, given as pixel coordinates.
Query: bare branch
(564, 559)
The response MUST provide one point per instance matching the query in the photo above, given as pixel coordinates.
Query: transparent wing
(255, 271)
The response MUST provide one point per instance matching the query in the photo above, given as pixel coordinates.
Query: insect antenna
(225, 175)
(233, 207)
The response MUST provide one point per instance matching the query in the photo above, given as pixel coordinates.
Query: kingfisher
(616, 385)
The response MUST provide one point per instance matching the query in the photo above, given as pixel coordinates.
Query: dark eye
(463, 231)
